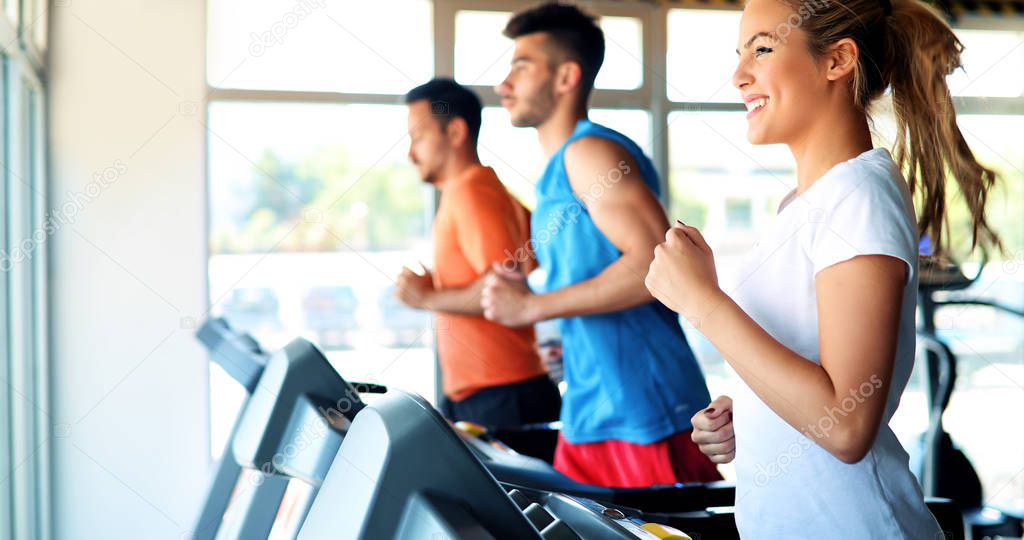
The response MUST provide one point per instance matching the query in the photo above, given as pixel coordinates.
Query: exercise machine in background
(942, 468)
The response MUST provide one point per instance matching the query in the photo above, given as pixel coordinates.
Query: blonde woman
(821, 326)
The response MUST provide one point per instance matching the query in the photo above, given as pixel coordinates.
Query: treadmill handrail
(237, 352)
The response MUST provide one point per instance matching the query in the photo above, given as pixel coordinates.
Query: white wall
(129, 390)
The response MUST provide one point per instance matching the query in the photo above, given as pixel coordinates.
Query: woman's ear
(841, 58)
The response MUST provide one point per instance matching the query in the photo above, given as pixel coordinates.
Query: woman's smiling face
(782, 84)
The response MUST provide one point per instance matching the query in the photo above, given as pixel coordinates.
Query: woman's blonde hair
(907, 46)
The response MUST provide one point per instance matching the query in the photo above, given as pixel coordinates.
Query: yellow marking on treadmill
(470, 428)
(665, 532)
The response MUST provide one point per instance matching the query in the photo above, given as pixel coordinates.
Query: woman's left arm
(859, 303)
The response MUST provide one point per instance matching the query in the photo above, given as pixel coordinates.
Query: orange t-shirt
(479, 223)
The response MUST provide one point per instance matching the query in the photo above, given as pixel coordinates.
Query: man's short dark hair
(572, 32)
(449, 99)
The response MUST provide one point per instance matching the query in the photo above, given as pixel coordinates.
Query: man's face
(428, 145)
(527, 93)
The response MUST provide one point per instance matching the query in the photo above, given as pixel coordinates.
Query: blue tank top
(630, 374)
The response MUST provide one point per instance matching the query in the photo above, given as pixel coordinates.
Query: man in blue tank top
(632, 381)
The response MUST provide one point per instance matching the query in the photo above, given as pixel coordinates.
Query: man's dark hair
(449, 99)
(571, 31)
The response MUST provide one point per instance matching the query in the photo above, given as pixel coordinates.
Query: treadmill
(402, 472)
(241, 356)
(290, 427)
(943, 469)
(297, 388)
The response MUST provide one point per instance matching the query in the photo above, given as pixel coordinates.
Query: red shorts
(616, 463)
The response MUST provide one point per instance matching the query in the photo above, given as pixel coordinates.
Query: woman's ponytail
(921, 52)
(907, 46)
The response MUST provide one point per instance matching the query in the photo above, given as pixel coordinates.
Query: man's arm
(488, 233)
(418, 291)
(457, 300)
(628, 214)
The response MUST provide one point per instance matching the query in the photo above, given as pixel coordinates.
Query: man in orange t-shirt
(491, 373)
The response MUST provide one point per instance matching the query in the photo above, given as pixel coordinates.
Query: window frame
(25, 428)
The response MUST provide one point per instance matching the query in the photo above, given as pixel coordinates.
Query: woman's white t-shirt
(786, 485)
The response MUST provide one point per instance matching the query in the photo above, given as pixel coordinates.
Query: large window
(313, 215)
(353, 47)
(701, 42)
(314, 208)
(482, 53)
(993, 64)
